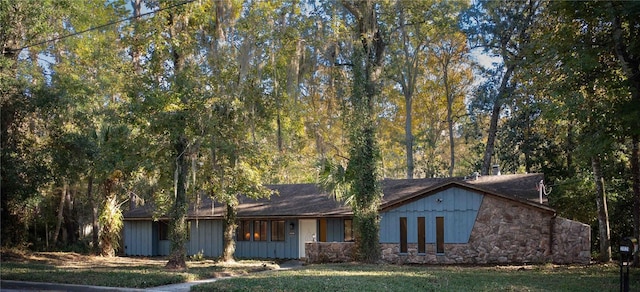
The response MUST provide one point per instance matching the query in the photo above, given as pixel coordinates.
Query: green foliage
(332, 178)
(111, 221)
(24, 166)
(362, 173)
(575, 198)
(247, 93)
(197, 257)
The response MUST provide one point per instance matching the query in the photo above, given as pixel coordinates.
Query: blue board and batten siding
(458, 206)
(138, 238)
(287, 249)
(205, 237)
(141, 238)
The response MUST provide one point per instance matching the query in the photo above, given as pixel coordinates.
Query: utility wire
(102, 25)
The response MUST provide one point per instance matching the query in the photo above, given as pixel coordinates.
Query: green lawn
(350, 277)
(72, 268)
(131, 272)
(133, 277)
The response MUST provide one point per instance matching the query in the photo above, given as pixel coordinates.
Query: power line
(102, 26)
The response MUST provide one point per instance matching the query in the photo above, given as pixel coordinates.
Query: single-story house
(487, 219)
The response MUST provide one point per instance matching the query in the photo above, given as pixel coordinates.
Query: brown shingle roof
(308, 200)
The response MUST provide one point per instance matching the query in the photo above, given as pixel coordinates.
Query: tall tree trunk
(178, 224)
(70, 219)
(603, 213)
(407, 82)
(447, 91)
(63, 196)
(367, 69)
(491, 138)
(408, 134)
(569, 149)
(635, 174)
(178, 230)
(493, 125)
(293, 71)
(95, 228)
(136, 51)
(230, 226)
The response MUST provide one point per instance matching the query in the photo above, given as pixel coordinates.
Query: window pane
(348, 230)
(440, 234)
(277, 230)
(243, 232)
(259, 230)
(188, 230)
(323, 230)
(163, 230)
(403, 234)
(421, 235)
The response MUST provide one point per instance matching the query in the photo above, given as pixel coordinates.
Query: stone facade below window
(329, 252)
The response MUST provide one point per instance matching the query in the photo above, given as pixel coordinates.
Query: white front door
(307, 233)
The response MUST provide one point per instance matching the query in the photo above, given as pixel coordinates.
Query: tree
(111, 221)
(626, 45)
(21, 150)
(165, 107)
(587, 89)
(417, 39)
(451, 56)
(362, 172)
(502, 29)
(409, 53)
(81, 102)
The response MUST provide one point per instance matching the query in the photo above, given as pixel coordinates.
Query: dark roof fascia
(449, 184)
(413, 197)
(273, 217)
(220, 217)
(143, 218)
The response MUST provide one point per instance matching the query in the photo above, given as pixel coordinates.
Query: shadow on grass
(132, 277)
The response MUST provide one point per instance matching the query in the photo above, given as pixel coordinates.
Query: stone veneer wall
(505, 232)
(571, 242)
(329, 252)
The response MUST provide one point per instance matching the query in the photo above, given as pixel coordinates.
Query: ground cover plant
(132, 272)
(350, 277)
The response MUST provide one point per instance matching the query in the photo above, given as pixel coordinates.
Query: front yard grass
(133, 272)
(130, 272)
(359, 277)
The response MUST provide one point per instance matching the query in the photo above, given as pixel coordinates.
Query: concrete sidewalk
(22, 286)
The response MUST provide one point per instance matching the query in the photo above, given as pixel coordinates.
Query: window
(439, 234)
(277, 230)
(348, 230)
(421, 235)
(260, 230)
(188, 230)
(163, 230)
(243, 232)
(323, 230)
(403, 234)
